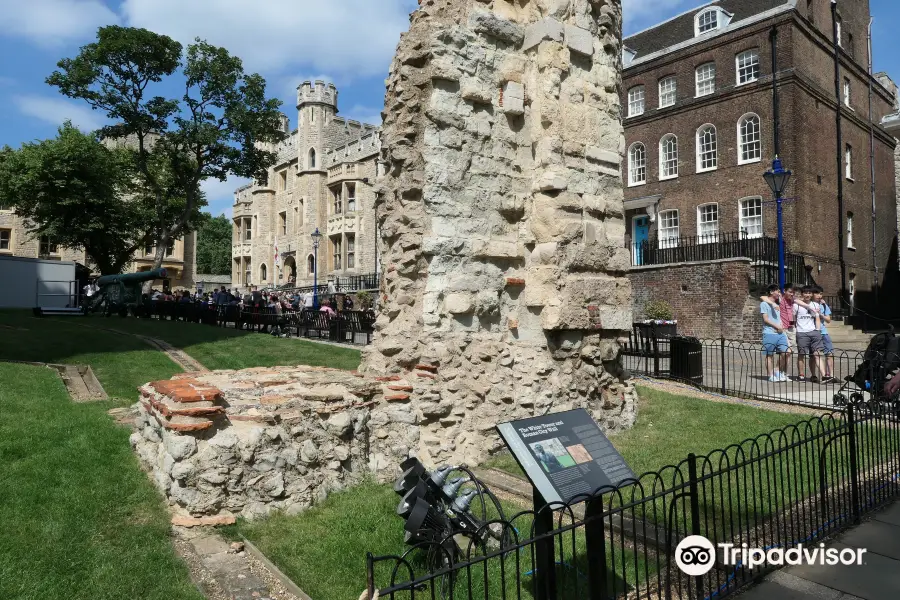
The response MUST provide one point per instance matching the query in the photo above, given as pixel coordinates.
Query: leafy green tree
(214, 246)
(223, 124)
(70, 188)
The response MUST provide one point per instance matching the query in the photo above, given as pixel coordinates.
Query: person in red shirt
(786, 306)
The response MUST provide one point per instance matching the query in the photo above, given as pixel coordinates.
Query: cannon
(119, 293)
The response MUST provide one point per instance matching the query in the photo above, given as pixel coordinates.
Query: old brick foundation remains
(504, 292)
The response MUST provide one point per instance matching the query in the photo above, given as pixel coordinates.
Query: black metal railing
(670, 250)
(794, 486)
(342, 285)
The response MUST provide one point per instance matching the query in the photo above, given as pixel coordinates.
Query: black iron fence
(762, 252)
(794, 486)
(343, 285)
(741, 369)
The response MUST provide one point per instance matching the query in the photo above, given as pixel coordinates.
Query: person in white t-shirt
(809, 335)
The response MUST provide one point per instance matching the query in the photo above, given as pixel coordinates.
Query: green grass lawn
(227, 348)
(80, 519)
(122, 363)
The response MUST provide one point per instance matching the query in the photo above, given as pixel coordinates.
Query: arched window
(262, 273)
(311, 163)
(707, 149)
(708, 20)
(637, 164)
(749, 139)
(310, 264)
(668, 157)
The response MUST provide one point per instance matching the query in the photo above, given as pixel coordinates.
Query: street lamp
(316, 237)
(778, 178)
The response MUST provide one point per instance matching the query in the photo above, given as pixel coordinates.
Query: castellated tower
(316, 107)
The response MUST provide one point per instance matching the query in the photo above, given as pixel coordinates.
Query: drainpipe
(840, 146)
(872, 160)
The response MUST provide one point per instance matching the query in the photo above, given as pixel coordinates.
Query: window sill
(668, 178)
(707, 170)
(634, 115)
(851, 248)
(851, 180)
(705, 95)
(665, 107)
(746, 83)
(638, 184)
(749, 162)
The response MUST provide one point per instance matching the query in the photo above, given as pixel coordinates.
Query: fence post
(544, 553)
(370, 576)
(694, 495)
(722, 361)
(854, 468)
(595, 539)
(655, 346)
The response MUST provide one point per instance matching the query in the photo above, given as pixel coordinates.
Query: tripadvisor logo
(695, 555)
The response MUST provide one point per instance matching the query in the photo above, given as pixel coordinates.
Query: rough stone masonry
(501, 219)
(504, 292)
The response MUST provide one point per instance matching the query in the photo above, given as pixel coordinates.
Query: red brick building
(699, 124)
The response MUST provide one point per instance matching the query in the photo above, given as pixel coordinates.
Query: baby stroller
(881, 363)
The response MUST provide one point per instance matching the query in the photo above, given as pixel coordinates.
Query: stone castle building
(180, 261)
(323, 179)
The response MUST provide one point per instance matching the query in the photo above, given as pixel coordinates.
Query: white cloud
(57, 110)
(54, 22)
(343, 37)
(220, 194)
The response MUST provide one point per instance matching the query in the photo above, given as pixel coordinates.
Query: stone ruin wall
(501, 219)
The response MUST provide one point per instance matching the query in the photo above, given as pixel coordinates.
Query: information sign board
(564, 454)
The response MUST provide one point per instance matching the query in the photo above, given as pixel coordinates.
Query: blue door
(641, 233)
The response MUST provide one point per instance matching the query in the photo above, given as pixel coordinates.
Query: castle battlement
(363, 147)
(317, 93)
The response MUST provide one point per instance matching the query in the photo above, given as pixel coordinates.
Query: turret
(316, 107)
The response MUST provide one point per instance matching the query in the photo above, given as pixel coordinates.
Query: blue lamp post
(778, 178)
(316, 236)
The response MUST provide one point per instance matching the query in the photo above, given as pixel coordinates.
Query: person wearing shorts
(786, 306)
(828, 347)
(773, 337)
(809, 335)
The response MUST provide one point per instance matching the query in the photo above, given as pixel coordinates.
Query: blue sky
(349, 42)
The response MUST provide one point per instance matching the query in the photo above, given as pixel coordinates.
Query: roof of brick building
(681, 28)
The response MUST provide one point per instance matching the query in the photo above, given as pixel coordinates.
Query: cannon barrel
(126, 278)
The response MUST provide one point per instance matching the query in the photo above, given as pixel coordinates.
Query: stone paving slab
(889, 515)
(878, 578)
(784, 586)
(876, 537)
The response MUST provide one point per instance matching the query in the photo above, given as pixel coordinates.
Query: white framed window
(637, 164)
(5, 239)
(708, 20)
(636, 101)
(706, 79)
(667, 91)
(847, 92)
(850, 243)
(708, 223)
(668, 157)
(848, 162)
(747, 66)
(749, 139)
(337, 252)
(668, 229)
(707, 149)
(351, 251)
(750, 222)
(351, 197)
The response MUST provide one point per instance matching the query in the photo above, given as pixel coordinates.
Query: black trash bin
(687, 359)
